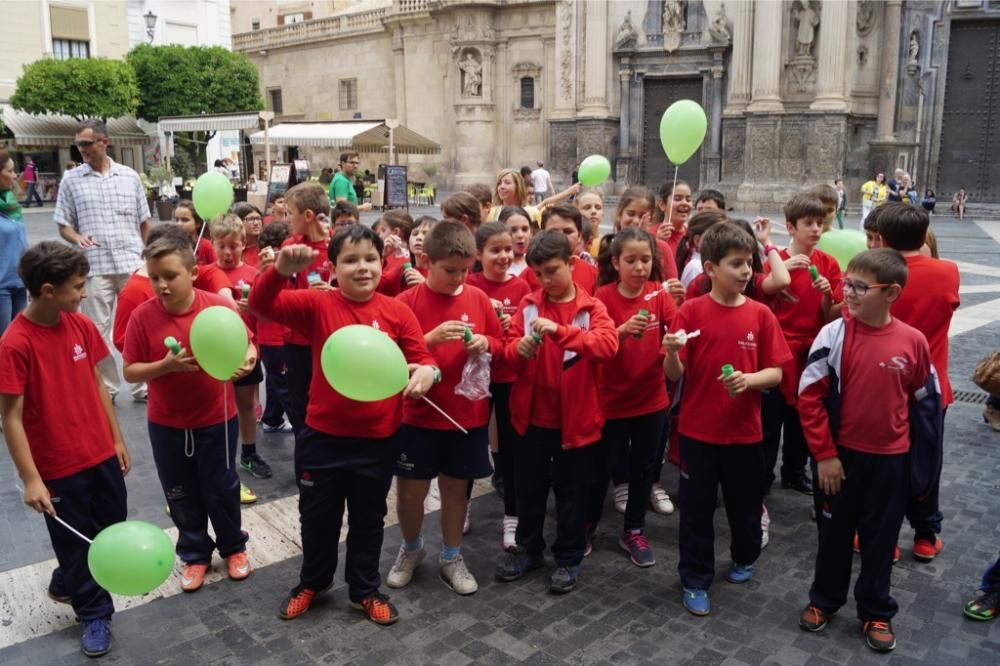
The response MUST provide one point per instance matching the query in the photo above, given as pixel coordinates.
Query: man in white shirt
(542, 182)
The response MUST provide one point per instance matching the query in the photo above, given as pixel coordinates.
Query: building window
(348, 94)
(527, 92)
(289, 19)
(255, 23)
(274, 97)
(64, 49)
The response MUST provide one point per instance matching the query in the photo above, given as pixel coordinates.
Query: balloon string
(444, 414)
(225, 420)
(670, 209)
(61, 521)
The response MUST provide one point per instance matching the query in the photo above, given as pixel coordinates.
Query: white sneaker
(402, 569)
(621, 497)
(467, 525)
(456, 576)
(660, 500)
(509, 528)
(765, 526)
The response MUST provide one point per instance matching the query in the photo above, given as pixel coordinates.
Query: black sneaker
(814, 619)
(563, 579)
(799, 483)
(515, 563)
(254, 464)
(879, 635)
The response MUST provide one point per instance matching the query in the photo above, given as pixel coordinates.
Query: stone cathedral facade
(796, 91)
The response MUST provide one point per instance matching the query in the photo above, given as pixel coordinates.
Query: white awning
(210, 122)
(55, 130)
(371, 136)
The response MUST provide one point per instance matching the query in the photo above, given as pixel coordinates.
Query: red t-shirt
(668, 262)
(927, 304)
(509, 294)
(321, 266)
(316, 315)
(251, 255)
(392, 282)
(53, 368)
(802, 320)
(472, 307)
(881, 370)
(177, 399)
(584, 275)
(633, 382)
(240, 276)
(546, 399)
(205, 253)
(747, 337)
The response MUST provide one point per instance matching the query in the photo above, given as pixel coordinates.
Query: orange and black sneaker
(879, 635)
(297, 603)
(925, 550)
(813, 619)
(378, 608)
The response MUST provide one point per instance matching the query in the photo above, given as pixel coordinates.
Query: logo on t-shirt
(78, 353)
(506, 301)
(749, 343)
(827, 513)
(375, 325)
(895, 364)
(464, 318)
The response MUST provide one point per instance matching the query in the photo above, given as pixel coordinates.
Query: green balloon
(843, 244)
(212, 195)
(594, 170)
(219, 341)
(131, 558)
(682, 130)
(364, 364)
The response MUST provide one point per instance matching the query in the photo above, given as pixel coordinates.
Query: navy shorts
(425, 453)
(255, 377)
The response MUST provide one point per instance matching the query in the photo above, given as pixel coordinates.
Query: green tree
(81, 88)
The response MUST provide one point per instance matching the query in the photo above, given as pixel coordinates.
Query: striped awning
(210, 122)
(31, 129)
(370, 136)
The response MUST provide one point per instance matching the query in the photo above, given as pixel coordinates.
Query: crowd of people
(901, 188)
(684, 336)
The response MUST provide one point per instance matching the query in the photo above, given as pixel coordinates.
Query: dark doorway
(657, 95)
(970, 124)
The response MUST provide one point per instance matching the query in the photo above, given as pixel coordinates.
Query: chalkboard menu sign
(302, 172)
(396, 195)
(282, 178)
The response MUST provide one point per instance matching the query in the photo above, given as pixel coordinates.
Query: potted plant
(163, 176)
(147, 187)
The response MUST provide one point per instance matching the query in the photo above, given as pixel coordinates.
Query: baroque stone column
(833, 31)
(739, 69)
(595, 70)
(890, 71)
(766, 88)
(565, 55)
(399, 69)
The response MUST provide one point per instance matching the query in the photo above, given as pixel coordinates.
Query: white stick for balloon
(670, 209)
(444, 414)
(61, 521)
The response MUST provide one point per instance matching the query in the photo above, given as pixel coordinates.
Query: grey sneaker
(456, 575)
(402, 569)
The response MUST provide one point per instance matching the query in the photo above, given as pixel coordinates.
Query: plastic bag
(475, 384)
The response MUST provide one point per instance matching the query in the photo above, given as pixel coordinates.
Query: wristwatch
(437, 374)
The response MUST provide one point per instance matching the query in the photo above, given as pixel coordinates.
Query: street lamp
(150, 18)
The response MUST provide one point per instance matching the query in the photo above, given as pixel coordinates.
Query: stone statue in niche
(808, 20)
(865, 21)
(472, 75)
(674, 23)
(913, 62)
(626, 33)
(718, 31)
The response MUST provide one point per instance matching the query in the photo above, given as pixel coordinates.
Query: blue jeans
(12, 301)
(32, 194)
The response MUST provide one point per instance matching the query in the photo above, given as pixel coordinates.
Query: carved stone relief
(867, 17)
(674, 23)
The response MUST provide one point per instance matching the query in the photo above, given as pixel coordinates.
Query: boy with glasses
(871, 413)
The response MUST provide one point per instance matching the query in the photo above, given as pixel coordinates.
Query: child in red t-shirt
(252, 226)
(459, 324)
(347, 450)
(558, 337)
(927, 304)
(271, 338)
(518, 223)
(738, 352)
(872, 416)
(635, 208)
(807, 304)
(305, 203)
(633, 392)
(192, 421)
(495, 252)
(68, 449)
(398, 276)
(567, 220)
(201, 237)
(673, 208)
(228, 233)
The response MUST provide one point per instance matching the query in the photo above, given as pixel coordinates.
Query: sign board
(302, 172)
(396, 195)
(282, 178)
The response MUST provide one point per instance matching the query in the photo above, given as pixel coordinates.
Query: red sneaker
(193, 577)
(377, 608)
(238, 566)
(297, 603)
(925, 550)
(895, 554)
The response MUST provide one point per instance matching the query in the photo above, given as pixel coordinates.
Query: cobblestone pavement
(617, 614)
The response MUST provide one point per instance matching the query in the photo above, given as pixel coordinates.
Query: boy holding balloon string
(192, 420)
(347, 450)
(69, 451)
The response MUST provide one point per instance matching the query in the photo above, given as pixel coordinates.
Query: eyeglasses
(859, 289)
(84, 144)
(252, 218)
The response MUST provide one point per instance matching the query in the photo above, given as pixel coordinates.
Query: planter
(165, 210)
(185, 193)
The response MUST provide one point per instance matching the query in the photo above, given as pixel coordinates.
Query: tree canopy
(81, 88)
